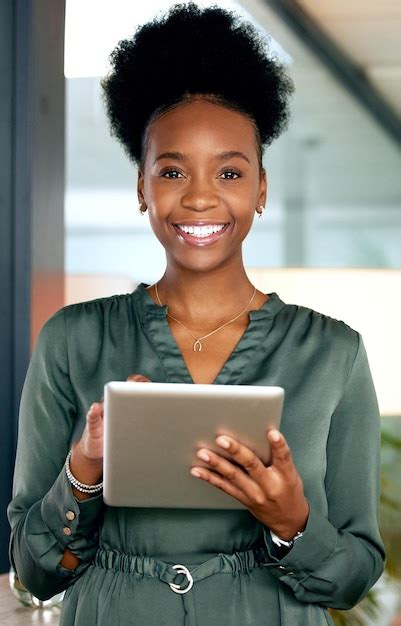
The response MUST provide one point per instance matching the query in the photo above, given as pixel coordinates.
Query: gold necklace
(198, 345)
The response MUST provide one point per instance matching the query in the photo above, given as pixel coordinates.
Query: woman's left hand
(273, 494)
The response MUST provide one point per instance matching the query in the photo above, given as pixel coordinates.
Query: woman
(194, 98)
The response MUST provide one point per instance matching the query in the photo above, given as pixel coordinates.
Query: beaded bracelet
(76, 483)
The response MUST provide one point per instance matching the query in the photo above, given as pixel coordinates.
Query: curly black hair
(191, 52)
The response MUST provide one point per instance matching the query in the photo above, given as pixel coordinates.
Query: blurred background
(70, 227)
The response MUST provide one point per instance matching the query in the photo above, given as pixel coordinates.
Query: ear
(262, 197)
(140, 187)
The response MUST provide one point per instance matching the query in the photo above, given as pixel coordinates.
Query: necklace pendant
(197, 346)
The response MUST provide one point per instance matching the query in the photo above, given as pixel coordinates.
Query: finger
(94, 419)
(234, 474)
(221, 483)
(281, 453)
(95, 410)
(138, 378)
(244, 456)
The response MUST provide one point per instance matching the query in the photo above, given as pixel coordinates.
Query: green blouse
(330, 420)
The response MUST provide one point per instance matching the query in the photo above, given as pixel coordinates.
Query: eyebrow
(222, 156)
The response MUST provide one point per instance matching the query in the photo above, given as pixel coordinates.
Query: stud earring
(262, 208)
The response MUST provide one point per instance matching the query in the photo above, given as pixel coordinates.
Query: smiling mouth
(200, 230)
(199, 237)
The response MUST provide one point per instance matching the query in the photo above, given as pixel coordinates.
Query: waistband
(150, 567)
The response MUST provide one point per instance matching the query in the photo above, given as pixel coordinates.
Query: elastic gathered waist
(148, 566)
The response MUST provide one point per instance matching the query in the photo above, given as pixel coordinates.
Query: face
(199, 185)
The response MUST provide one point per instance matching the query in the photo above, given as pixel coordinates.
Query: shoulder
(312, 327)
(97, 305)
(87, 318)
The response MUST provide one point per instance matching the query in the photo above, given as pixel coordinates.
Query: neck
(202, 298)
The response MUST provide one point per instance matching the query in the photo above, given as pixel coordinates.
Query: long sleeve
(341, 556)
(42, 494)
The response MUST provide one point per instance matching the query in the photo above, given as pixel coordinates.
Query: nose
(200, 195)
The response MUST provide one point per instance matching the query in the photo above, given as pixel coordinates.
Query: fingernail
(202, 454)
(223, 442)
(195, 472)
(275, 435)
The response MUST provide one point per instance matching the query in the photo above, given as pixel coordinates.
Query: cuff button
(67, 531)
(70, 515)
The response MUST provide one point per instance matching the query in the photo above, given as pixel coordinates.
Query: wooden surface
(13, 613)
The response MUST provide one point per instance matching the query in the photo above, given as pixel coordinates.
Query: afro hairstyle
(192, 52)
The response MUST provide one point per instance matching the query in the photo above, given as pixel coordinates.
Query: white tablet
(153, 431)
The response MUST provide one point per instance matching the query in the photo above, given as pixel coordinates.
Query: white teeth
(201, 231)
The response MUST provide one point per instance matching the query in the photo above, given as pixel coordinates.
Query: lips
(200, 241)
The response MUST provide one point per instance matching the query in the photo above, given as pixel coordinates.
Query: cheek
(159, 223)
(243, 217)
(163, 201)
(242, 203)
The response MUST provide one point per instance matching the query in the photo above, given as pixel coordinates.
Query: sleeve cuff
(316, 545)
(73, 522)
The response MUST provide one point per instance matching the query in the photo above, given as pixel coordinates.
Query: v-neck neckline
(159, 333)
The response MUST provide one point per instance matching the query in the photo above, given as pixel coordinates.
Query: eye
(170, 171)
(237, 174)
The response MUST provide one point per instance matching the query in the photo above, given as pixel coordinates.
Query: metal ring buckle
(183, 570)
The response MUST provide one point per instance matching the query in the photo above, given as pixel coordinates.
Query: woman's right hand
(86, 461)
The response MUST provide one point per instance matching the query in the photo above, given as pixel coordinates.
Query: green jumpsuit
(330, 420)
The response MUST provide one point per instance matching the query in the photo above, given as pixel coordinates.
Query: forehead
(202, 127)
